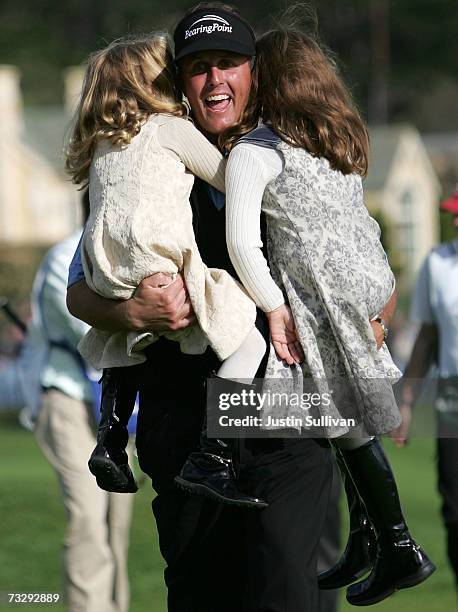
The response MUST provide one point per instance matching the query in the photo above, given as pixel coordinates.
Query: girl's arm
(249, 170)
(247, 176)
(196, 152)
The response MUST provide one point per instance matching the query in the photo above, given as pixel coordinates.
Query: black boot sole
(204, 491)
(339, 584)
(405, 583)
(110, 477)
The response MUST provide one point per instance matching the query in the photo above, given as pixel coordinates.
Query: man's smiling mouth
(217, 102)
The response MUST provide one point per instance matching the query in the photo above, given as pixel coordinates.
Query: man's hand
(400, 435)
(423, 355)
(154, 306)
(284, 337)
(160, 305)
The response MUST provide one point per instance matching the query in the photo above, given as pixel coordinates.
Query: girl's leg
(210, 471)
(400, 562)
(109, 461)
(360, 551)
(244, 363)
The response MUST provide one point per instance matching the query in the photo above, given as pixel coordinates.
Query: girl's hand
(284, 337)
(378, 333)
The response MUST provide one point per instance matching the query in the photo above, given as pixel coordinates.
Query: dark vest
(210, 228)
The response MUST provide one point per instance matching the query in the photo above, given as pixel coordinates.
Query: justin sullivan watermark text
(248, 412)
(289, 422)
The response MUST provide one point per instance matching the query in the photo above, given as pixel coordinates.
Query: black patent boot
(109, 461)
(360, 551)
(400, 563)
(210, 470)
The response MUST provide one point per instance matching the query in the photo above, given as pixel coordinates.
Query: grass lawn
(32, 527)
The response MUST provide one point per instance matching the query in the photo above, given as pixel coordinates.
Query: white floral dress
(325, 253)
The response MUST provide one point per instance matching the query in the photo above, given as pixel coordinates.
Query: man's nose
(215, 75)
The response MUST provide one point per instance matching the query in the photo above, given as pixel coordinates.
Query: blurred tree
(380, 53)
(410, 50)
(447, 230)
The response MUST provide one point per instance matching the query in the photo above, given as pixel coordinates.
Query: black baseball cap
(213, 29)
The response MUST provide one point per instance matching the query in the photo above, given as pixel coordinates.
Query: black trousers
(447, 465)
(222, 558)
(329, 549)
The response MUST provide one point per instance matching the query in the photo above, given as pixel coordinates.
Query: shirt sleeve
(198, 155)
(247, 176)
(75, 270)
(421, 310)
(54, 307)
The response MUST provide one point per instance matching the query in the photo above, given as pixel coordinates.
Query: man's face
(217, 85)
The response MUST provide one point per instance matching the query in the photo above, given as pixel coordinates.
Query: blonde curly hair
(124, 84)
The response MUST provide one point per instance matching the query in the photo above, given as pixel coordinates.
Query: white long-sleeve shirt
(249, 170)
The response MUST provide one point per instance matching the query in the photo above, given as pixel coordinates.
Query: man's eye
(199, 68)
(226, 63)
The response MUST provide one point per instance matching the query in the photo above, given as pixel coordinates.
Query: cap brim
(215, 45)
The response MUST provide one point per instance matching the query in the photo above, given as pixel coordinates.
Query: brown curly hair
(124, 84)
(297, 90)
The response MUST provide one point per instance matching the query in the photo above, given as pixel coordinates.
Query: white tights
(244, 363)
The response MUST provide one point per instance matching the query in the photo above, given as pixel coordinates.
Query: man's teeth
(217, 98)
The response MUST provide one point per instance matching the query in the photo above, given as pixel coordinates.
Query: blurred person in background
(11, 339)
(11, 396)
(435, 307)
(60, 396)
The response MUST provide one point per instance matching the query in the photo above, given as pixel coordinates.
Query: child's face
(223, 74)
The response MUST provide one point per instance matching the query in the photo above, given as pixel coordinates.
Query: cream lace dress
(141, 223)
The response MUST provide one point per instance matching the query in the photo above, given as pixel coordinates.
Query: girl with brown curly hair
(303, 168)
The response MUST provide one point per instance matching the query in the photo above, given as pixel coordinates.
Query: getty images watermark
(261, 401)
(272, 408)
(325, 408)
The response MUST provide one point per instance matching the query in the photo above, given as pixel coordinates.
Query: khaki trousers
(97, 534)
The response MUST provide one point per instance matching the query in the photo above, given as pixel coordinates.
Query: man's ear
(179, 86)
(179, 76)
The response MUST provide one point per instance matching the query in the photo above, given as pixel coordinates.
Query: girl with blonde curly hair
(136, 149)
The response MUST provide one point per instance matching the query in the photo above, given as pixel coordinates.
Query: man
(435, 306)
(218, 558)
(60, 396)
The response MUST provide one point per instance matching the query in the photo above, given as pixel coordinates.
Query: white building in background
(38, 204)
(402, 186)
